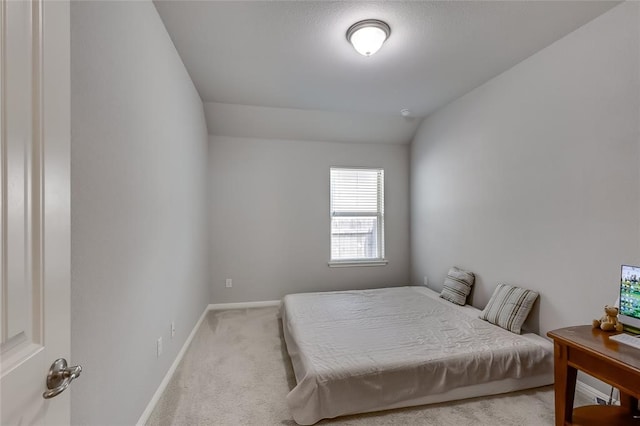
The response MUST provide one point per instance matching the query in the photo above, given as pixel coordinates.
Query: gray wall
(138, 200)
(270, 218)
(251, 121)
(532, 179)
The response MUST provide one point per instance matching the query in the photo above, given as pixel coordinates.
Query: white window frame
(380, 260)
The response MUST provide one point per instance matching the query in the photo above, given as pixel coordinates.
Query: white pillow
(509, 307)
(457, 286)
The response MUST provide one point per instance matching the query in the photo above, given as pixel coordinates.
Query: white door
(35, 212)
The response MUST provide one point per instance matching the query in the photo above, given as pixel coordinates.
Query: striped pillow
(457, 286)
(509, 307)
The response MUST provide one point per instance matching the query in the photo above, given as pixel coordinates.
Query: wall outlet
(173, 329)
(425, 281)
(229, 283)
(159, 347)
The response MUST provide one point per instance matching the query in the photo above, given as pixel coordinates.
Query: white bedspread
(369, 350)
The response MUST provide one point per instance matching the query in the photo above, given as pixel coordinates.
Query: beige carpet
(237, 372)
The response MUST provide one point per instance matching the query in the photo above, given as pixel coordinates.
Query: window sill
(351, 263)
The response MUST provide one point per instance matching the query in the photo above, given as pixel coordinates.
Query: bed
(370, 350)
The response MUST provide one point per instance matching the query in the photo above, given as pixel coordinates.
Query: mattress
(371, 350)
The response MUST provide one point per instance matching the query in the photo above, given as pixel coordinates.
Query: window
(357, 216)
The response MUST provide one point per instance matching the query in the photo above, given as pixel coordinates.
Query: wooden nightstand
(590, 350)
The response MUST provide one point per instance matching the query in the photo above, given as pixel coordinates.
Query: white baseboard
(243, 305)
(591, 393)
(167, 377)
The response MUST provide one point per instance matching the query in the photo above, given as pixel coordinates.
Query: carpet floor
(237, 372)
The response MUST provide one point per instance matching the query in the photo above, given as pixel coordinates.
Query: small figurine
(609, 322)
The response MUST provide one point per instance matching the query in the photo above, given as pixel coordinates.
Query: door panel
(21, 309)
(34, 217)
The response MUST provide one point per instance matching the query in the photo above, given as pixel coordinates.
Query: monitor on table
(629, 314)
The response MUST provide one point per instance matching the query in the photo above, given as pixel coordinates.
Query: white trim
(167, 377)
(350, 263)
(591, 393)
(242, 305)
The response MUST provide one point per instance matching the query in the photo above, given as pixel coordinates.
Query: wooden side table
(590, 350)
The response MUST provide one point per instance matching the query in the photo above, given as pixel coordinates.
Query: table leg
(628, 402)
(564, 386)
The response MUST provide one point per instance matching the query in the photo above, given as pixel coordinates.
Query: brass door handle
(60, 377)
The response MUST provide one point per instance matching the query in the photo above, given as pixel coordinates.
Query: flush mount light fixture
(367, 36)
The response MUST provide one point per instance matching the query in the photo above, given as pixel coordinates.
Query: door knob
(60, 377)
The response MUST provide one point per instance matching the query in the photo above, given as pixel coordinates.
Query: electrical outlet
(159, 347)
(173, 329)
(229, 283)
(426, 281)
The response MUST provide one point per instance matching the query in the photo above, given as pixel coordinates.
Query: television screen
(630, 295)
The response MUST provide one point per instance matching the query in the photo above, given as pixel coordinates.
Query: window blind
(357, 214)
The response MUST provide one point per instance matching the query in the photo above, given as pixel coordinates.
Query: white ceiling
(294, 54)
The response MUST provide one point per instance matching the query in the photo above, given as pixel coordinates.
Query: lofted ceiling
(253, 62)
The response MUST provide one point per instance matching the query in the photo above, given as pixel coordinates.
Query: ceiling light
(367, 36)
